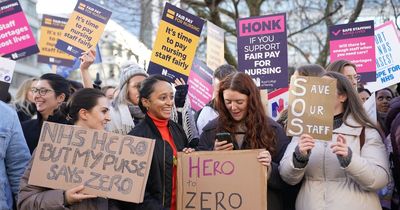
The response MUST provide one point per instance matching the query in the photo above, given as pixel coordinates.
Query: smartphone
(224, 137)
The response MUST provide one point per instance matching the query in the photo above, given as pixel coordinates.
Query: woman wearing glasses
(346, 68)
(49, 93)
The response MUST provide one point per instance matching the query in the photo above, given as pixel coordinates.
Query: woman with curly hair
(241, 114)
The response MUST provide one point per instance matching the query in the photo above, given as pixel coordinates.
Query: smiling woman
(156, 100)
(49, 93)
(86, 108)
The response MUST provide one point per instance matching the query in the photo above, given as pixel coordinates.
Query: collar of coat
(349, 127)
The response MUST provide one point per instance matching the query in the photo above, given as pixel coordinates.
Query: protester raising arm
(87, 59)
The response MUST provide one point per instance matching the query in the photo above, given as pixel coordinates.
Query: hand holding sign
(306, 143)
(87, 59)
(75, 195)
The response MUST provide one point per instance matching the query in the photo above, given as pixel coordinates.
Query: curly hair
(259, 134)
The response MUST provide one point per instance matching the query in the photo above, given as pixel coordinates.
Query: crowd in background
(358, 169)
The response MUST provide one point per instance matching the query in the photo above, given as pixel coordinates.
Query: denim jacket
(14, 155)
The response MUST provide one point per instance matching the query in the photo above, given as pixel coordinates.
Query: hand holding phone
(223, 142)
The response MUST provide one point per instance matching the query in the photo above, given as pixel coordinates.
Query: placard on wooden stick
(311, 107)
(214, 180)
(107, 164)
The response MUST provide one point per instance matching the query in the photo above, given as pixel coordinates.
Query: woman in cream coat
(344, 173)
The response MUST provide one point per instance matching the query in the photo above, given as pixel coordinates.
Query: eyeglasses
(41, 91)
(355, 77)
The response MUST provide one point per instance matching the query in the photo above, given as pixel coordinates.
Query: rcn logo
(69, 48)
(164, 72)
(277, 107)
(14, 55)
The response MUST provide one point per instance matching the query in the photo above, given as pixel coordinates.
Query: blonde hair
(21, 100)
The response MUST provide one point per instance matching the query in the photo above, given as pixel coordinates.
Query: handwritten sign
(16, 38)
(387, 48)
(214, 180)
(83, 29)
(200, 85)
(355, 42)
(262, 50)
(107, 164)
(176, 43)
(50, 31)
(311, 107)
(215, 46)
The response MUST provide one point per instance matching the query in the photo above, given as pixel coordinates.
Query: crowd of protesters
(358, 169)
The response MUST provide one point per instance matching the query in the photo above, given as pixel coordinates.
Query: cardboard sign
(200, 85)
(311, 107)
(387, 50)
(214, 180)
(278, 101)
(83, 29)
(107, 164)
(16, 38)
(262, 50)
(7, 68)
(176, 43)
(355, 42)
(50, 31)
(215, 46)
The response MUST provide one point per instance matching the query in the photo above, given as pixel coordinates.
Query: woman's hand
(87, 59)
(222, 145)
(188, 150)
(340, 147)
(179, 81)
(264, 158)
(306, 143)
(75, 195)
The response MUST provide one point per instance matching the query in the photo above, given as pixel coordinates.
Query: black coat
(159, 183)
(32, 128)
(276, 186)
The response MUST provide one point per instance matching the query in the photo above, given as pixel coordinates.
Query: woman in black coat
(156, 100)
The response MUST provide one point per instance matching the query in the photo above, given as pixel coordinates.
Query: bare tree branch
(396, 15)
(356, 11)
(305, 55)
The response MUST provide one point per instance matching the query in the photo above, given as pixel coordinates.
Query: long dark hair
(85, 98)
(259, 134)
(147, 88)
(353, 104)
(339, 65)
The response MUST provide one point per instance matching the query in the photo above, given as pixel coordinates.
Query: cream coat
(328, 186)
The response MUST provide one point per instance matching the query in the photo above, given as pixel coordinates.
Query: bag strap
(362, 137)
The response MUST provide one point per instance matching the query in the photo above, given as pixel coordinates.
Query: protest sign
(262, 50)
(355, 42)
(16, 38)
(6, 73)
(215, 46)
(370, 108)
(311, 107)
(107, 164)
(176, 43)
(387, 50)
(200, 85)
(278, 101)
(50, 32)
(83, 29)
(214, 180)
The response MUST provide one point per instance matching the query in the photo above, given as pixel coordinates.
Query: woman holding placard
(344, 173)
(156, 99)
(87, 108)
(242, 116)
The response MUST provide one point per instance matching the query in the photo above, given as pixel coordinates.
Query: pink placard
(200, 92)
(360, 51)
(16, 34)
